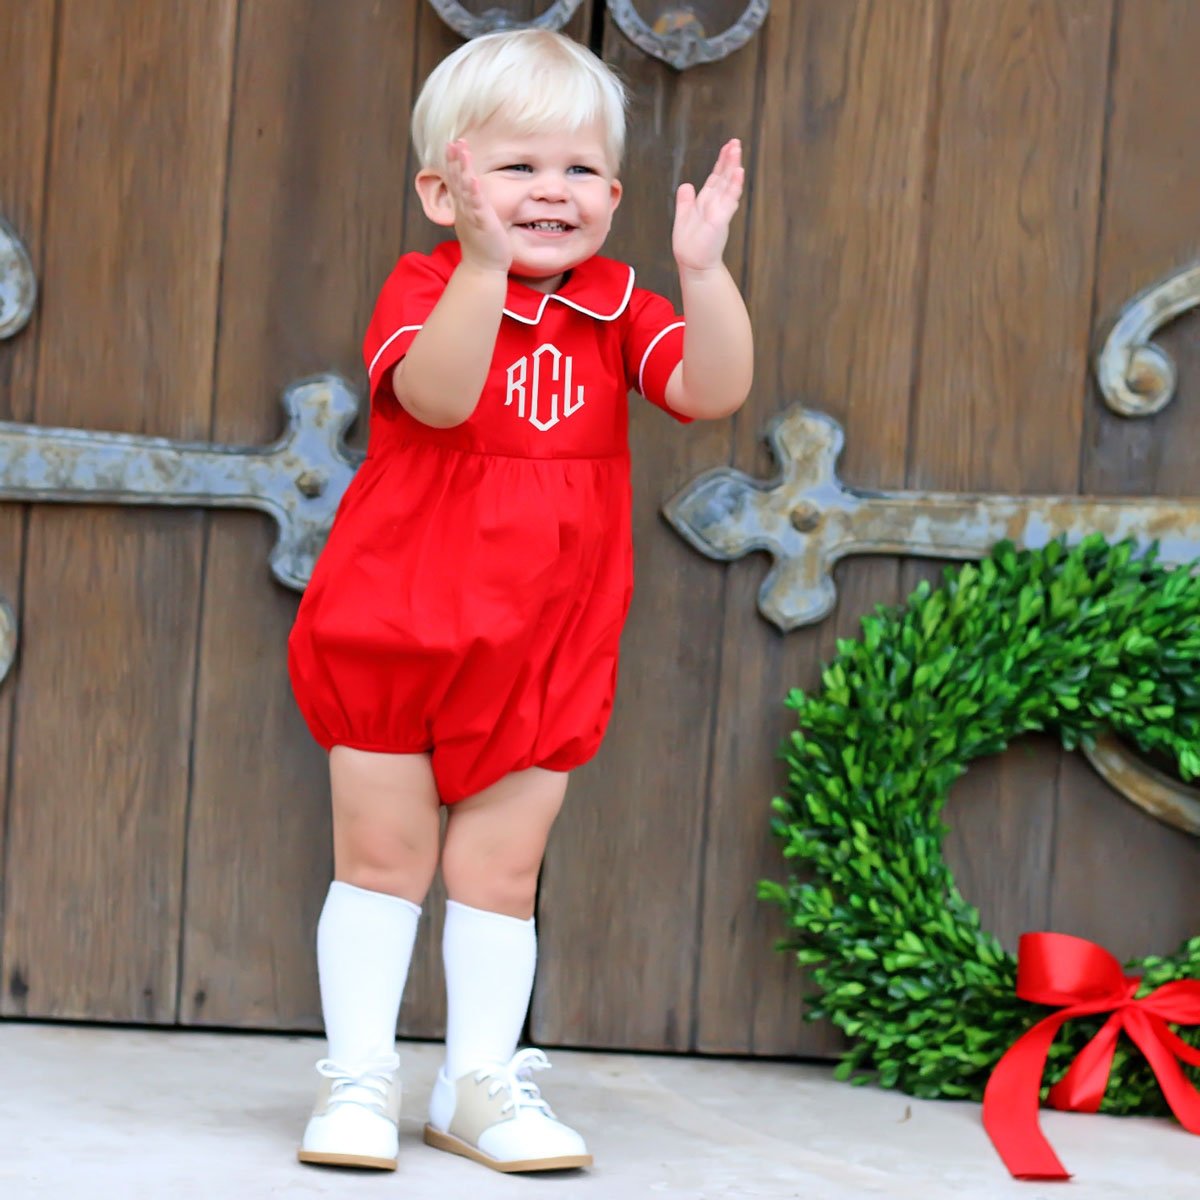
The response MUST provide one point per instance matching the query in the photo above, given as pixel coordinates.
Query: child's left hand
(702, 220)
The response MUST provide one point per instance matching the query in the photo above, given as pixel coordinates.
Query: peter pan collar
(599, 287)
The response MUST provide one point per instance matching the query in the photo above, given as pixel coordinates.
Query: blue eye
(518, 167)
(580, 170)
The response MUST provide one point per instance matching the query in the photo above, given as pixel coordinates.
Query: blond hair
(532, 78)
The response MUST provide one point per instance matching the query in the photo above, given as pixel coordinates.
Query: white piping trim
(612, 316)
(379, 355)
(663, 334)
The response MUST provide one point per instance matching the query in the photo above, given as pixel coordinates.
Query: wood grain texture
(620, 891)
(1120, 877)
(104, 693)
(315, 203)
(26, 55)
(835, 261)
(999, 406)
(940, 224)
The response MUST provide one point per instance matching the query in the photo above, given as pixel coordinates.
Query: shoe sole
(318, 1158)
(453, 1145)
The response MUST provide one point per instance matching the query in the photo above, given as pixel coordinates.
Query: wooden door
(947, 203)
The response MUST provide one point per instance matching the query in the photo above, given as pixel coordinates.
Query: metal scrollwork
(468, 25)
(678, 37)
(1137, 378)
(1123, 769)
(8, 637)
(18, 283)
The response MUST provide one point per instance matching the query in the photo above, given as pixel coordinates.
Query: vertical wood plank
(621, 886)
(1120, 877)
(26, 59)
(835, 271)
(316, 199)
(131, 244)
(1001, 384)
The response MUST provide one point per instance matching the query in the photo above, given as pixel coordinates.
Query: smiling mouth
(548, 226)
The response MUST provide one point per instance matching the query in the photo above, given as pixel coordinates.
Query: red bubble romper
(470, 598)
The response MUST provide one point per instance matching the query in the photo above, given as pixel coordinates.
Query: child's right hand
(483, 238)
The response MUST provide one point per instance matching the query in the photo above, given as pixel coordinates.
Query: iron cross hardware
(298, 479)
(807, 519)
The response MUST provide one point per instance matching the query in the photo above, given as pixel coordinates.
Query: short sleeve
(406, 299)
(653, 347)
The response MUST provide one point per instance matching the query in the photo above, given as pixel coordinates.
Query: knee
(500, 884)
(386, 821)
(398, 865)
(406, 881)
(379, 849)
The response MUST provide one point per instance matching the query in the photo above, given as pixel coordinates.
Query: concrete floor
(105, 1114)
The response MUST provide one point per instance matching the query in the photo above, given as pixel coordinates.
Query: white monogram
(550, 387)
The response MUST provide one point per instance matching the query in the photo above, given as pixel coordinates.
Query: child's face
(554, 192)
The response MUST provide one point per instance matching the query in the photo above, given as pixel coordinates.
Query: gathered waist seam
(401, 443)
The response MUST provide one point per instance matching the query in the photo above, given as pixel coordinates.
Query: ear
(434, 196)
(615, 193)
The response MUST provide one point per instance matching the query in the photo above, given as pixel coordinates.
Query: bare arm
(441, 378)
(714, 377)
(713, 380)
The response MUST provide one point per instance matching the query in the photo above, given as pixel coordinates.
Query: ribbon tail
(1175, 1043)
(1010, 1104)
(1183, 1098)
(1081, 1089)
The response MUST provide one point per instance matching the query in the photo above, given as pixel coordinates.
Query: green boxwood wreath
(1073, 640)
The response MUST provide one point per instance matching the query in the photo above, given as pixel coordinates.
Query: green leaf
(1069, 639)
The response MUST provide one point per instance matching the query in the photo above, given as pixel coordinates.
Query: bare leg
(492, 855)
(494, 846)
(386, 822)
(385, 837)
(495, 842)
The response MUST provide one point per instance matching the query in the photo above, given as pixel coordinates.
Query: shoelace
(368, 1085)
(514, 1077)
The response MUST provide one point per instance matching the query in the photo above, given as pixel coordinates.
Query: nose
(549, 185)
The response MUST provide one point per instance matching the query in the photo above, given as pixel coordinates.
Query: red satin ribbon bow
(1057, 969)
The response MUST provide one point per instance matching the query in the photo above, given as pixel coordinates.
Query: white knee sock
(489, 960)
(364, 948)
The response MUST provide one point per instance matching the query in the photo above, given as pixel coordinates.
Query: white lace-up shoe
(354, 1122)
(496, 1116)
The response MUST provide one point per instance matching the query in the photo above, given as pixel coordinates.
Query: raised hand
(481, 235)
(702, 219)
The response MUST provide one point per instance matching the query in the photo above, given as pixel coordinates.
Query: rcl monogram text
(540, 399)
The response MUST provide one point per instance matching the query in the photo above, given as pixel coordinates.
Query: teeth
(548, 226)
